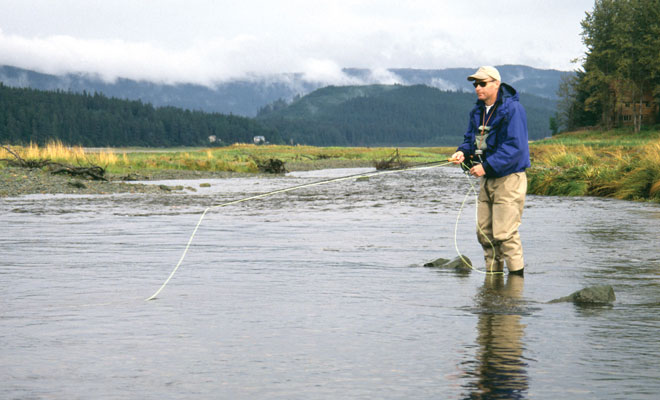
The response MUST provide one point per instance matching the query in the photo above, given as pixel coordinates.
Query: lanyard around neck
(484, 121)
(484, 124)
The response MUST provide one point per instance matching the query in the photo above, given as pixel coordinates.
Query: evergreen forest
(618, 83)
(94, 120)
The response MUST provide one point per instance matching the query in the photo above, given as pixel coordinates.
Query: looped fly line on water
(306, 185)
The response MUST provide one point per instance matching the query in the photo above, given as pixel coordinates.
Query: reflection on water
(320, 293)
(499, 370)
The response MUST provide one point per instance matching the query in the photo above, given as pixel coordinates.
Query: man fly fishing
(495, 148)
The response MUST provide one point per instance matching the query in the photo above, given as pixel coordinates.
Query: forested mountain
(246, 96)
(28, 115)
(387, 115)
(241, 97)
(392, 115)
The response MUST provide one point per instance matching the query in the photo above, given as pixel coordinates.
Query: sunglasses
(481, 84)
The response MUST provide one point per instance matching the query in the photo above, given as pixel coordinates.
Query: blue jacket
(507, 148)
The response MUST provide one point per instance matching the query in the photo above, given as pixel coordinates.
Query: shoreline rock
(17, 181)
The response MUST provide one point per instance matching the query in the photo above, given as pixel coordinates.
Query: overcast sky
(207, 41)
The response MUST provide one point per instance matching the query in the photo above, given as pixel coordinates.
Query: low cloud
(444, 85)
(205, 63)
(384, 76)
(210, 46)
(326, 71)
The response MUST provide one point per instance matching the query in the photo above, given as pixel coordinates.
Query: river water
(321, 293)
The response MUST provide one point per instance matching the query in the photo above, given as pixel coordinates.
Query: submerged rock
(603, 294)
(166, 188)
(459, 264)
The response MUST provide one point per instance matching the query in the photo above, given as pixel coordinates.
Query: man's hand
(477, 170)
(457, 157)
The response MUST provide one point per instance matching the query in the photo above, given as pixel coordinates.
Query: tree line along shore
(612, 164)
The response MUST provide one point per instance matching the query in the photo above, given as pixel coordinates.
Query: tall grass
(57, 152)
(617, 171)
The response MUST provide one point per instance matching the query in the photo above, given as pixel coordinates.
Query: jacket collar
(506, 92)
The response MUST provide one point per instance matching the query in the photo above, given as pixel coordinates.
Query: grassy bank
(616, 164)
(235, 158)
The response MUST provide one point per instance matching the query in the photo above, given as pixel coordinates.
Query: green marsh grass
(610, 164)
(234, 158)
(246, 157)
(621, 138)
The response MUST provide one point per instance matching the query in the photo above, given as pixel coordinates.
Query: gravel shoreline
(15, 181)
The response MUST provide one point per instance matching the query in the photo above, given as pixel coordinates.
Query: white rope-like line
(201, 218)
(288, 189)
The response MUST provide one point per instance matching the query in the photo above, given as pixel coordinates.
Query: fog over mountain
(246, 96)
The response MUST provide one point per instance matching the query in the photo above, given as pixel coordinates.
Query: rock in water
(603, 294)
(457, 264)
(437, 263)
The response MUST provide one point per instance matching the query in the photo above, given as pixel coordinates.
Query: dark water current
(321, 294)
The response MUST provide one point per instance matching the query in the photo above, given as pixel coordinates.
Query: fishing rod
(422, 166)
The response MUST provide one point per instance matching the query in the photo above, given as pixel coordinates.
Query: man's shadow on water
(499, 370)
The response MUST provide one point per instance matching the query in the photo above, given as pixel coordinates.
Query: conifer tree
(622, 61)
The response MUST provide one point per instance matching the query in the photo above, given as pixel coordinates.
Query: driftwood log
(271, 166)
(394, 162)
(18, 161)
(94, 172)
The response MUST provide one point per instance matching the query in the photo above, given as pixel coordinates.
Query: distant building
(259, 140)
(627, 108)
